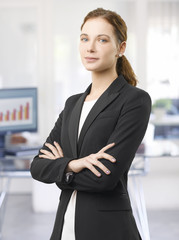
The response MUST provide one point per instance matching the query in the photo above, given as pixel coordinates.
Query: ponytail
(123, 67)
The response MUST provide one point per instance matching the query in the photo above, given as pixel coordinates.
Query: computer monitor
(18, 111)
(169, 132)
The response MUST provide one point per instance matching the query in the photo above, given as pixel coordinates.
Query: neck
(101, 81)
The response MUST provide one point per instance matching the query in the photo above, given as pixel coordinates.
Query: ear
(122, 48)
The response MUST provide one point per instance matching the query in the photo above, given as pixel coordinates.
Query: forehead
(96, 26)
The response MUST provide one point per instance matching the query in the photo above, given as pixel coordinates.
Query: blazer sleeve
(127, 135)
(47, 170)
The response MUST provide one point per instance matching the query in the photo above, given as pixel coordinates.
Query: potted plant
(161, 106)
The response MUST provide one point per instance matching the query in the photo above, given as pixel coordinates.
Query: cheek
(110, 54)
(109, 50)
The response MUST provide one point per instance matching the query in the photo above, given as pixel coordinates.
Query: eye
(84, 39)
(102, 40)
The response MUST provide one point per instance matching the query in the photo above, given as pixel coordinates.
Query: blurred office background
(39, 48)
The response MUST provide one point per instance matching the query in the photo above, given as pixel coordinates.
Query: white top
(68, 232)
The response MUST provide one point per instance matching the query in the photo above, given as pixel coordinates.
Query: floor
(20, 223)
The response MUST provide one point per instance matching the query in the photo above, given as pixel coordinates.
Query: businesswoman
(90, 149)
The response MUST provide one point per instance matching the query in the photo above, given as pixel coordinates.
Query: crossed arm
(78, 165)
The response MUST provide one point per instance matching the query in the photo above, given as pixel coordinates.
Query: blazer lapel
(104, 100)
(74, 122)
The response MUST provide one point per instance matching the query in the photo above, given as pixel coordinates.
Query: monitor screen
(18, 110)
(166, 132)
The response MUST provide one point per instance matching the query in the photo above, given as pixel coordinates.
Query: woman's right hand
(91, 161)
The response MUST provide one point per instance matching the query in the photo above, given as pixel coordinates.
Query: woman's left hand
(57, 151)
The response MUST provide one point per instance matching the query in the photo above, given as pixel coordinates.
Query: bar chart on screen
(16, 111)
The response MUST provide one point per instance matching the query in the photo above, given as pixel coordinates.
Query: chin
(93, 69)
(90, 69)
(97, 70)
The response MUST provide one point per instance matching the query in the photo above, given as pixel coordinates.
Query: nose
(90, 50)
(91, 47)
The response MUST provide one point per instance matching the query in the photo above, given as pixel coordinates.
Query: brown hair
(123, 66)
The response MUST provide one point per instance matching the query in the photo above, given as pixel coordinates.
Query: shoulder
(136, 99)
(72, 99)
(137, 95)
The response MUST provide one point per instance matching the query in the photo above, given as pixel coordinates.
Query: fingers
(101, 166)
(92, 169)
(47, 154)
(106, 147)
(56, 151)
(59, 149)
(106, 156)
(53, 149)
(91, 162)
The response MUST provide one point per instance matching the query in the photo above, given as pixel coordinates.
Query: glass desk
(11, 167)
(140, 168)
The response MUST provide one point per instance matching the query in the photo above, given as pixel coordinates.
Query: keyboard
(23, 150)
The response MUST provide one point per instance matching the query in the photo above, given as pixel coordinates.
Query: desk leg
(138, 206)
(3, 201)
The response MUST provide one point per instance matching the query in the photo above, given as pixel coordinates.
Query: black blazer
(103, 209)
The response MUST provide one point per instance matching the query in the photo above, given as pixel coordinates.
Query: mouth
(91, 59)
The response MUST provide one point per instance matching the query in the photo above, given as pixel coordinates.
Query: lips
(91, 59)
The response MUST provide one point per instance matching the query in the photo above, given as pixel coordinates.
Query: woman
(90, 149)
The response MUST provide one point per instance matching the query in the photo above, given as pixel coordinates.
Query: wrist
(68, 168)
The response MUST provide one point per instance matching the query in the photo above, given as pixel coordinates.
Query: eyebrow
(100, 35)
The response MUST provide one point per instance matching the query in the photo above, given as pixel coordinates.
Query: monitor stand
(2, 145)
